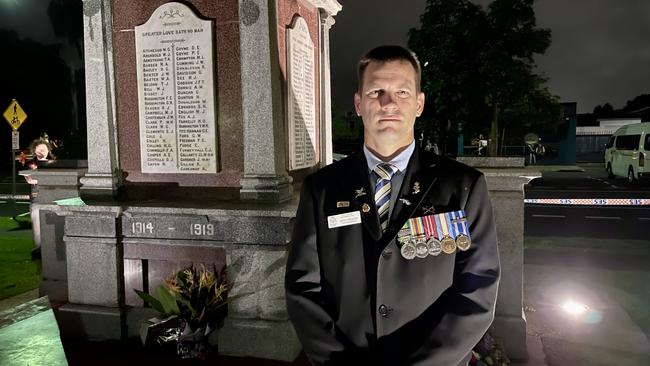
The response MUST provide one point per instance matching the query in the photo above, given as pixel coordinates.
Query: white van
(627, 151)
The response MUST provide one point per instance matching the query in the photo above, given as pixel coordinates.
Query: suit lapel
(363, 196)
(420, 176)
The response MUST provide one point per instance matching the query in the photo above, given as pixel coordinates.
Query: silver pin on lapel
(405, 201)
(416, 187)
(428, 210)
(360, 192)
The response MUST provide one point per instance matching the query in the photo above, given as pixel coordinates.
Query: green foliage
(197, 295)
(478, 69)
(347, 132)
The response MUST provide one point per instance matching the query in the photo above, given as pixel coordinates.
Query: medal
(403, 234)
(431, 232)
(365, 208)
(413, 239)
(418, 238)
(448, 245)
(434, 246)
(421, 247)
(447, 242)
(340, 204)
(408, 251)
(463, 242)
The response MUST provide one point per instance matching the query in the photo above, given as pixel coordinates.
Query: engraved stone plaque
(176, 92)
(301, 97)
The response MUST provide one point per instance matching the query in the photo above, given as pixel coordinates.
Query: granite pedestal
(506, 178)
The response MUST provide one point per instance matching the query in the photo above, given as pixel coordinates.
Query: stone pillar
(326, 22)
(94, 274)
(103, 176)
(47, 225)
(506, 178)
(265, 166)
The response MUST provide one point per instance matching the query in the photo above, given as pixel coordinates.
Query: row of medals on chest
(421, 247)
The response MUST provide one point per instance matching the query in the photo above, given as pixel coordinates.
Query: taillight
(641, 159)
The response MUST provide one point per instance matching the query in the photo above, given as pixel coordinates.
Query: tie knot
(385, 170)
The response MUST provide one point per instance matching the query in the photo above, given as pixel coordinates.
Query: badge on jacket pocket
(344, 219)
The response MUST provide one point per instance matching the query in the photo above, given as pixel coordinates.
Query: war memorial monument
(203, 119)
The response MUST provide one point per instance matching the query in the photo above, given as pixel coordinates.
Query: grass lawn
(18, 273)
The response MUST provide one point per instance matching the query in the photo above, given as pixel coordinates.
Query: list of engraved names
(302, 101)
(176, 94)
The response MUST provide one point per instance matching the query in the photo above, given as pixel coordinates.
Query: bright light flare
(574, 308)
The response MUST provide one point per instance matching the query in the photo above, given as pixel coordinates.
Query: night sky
(600, 50)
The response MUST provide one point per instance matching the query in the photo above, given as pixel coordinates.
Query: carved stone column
(265, 173)
(103, 176)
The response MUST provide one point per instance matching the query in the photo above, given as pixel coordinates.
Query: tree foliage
(479, 70)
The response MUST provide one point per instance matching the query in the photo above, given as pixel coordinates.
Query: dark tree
(479, 69)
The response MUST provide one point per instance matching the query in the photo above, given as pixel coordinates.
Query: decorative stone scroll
(176, 92)
(301, 97)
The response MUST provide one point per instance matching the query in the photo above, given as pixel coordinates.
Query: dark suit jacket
(350, 294)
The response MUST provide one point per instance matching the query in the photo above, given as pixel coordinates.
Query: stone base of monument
(512, 330)
(93, 323)
(505, 178)
(269, 339)
(96, 255)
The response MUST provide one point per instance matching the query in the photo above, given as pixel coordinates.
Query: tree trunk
(502, 143)
(493, 145)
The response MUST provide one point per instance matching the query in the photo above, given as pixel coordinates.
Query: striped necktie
(384, 172)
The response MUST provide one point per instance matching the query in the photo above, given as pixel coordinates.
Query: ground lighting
(574, 308)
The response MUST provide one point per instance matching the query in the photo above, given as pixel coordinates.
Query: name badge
(345, 219)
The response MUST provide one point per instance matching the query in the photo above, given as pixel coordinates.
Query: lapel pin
(416, 187)
(360, 192)
(405, 201)
(340, 204)
(365, 208)
(428, 210)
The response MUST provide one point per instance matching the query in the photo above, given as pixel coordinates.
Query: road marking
(551, 216)
(603, 217)
(644, 218)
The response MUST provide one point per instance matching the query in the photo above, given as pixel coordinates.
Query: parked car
(627, 151)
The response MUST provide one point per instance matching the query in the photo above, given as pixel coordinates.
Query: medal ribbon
(463, 225)
(450, 223)
(456, 222)
(436, 219)
(444, 229)
(430, 226)
(416, 226)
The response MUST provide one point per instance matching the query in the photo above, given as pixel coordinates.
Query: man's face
(388, 103)
(41, 151)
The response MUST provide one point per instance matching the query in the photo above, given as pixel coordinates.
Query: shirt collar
(400, 161)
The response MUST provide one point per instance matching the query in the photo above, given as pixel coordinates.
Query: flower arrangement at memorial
(191, 303)
(489, 352)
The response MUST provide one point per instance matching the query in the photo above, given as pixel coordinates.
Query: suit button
(383, 310)
(386, 253)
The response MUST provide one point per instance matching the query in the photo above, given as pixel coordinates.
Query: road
(587, 204)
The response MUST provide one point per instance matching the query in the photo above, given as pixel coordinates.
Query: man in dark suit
(394, 254)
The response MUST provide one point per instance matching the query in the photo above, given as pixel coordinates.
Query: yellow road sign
(15, 115)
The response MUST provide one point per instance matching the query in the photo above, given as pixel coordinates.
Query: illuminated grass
(18, 273)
